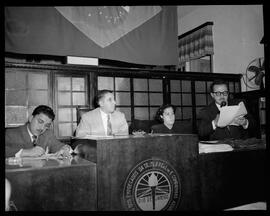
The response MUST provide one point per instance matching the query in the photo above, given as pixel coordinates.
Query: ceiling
(183, 10)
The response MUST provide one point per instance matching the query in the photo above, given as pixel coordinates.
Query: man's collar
(30, 133)
(103, 113)
(218, 105)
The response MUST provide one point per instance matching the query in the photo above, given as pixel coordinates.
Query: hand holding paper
(241, 120)
(232, 115)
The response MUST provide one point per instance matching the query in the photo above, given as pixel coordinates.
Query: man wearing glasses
(209, 116)
(35, 138)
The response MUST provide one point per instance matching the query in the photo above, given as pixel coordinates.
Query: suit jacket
(19, 138)
(91, 124)
(205, 128)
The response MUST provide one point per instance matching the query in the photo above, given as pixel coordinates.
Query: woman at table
(166, 115)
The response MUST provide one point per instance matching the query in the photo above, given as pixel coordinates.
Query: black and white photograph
(136, 108)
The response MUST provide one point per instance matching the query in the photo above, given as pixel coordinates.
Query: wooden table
(151, 172)
(212, 181)
(234, 178)
(52, 185)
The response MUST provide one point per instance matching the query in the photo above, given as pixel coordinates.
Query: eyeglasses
(225, 93)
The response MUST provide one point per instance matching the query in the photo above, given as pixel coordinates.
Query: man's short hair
(160, 111)
(101, 94)
(45, 110)
(218, 82)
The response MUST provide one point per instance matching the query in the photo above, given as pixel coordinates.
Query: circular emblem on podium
(152, 185)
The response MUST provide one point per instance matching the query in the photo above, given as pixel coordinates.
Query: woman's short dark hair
(160, 111)
(218, 82)
(45, 110)
(100, 95)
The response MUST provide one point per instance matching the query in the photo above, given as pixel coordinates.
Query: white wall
(237, 32)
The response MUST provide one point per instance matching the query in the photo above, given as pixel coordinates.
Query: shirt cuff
(213, 124)
(69, 148)
(77, 149)
(18, 154)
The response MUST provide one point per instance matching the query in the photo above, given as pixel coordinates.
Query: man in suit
(35, 138)
(104, 120)
(209, 116)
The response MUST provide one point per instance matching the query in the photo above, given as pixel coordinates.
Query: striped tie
(109, 126)
(34, 140)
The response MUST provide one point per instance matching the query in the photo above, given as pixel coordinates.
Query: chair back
(80, 110)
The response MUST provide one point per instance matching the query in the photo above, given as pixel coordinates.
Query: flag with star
(135, 34)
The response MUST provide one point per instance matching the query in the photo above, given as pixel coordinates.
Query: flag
(134, 34)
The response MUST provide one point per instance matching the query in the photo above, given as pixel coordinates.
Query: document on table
(213, 146)
(98, 137)
(45, 156)
(229, 113)
(32, 160)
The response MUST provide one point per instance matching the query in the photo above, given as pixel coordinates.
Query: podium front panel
(148, 173)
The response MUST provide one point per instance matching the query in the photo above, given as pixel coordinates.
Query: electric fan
(254, 76)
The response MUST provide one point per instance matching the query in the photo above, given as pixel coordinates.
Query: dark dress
(161, 128)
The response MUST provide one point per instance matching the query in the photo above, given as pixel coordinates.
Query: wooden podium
(153, 172)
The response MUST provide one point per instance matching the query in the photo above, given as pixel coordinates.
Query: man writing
(104, 120)
(35, 138)
(209, 116)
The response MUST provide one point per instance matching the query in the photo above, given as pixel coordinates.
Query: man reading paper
(208, 127)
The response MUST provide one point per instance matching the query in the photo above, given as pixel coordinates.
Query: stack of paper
(229, 113)
(100, 137)
(251, 206)
(210, 146)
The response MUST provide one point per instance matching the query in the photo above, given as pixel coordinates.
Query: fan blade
(252, 78)
(253, 68)
(258, 78)
(262, 66)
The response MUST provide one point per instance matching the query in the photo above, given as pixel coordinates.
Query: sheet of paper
(209, 142)
(23, 160)
(97, 137)
(229, 113)
(45, 156)
(208, 148)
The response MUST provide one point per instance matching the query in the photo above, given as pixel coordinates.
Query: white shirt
(104, 117)
(30, 133)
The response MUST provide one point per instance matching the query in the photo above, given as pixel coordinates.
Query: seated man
(104, 120)
(209, 116)
(35, 137)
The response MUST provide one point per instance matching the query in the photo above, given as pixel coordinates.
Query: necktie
(34, 140)
(109, 126)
